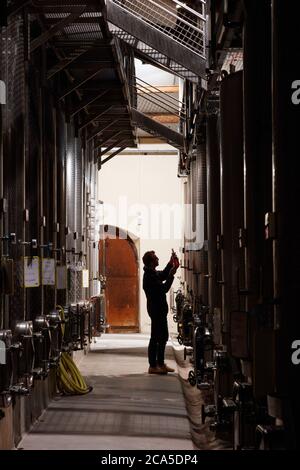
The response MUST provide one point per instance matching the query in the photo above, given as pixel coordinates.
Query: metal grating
(152, 55)
(185, 25)
(79, 31)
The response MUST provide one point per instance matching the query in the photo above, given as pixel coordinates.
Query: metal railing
(154, 55)
(153, 100)
(173, 18)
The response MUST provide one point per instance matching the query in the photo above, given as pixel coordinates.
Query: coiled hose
(69, 378)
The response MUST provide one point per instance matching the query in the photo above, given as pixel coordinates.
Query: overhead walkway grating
(176, 31)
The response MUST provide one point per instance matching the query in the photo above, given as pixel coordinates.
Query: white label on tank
(2, 353)
(2, 92)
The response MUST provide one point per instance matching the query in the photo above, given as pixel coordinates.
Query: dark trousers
(158, 340)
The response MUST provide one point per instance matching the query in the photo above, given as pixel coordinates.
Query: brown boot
(157, 370)
(167, 368)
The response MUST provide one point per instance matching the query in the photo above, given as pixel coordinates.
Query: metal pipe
(148, 152)
(201, 198)
(61, 203)
(41, 166)
(213, 211)
(2, 212)
(54, 200)
(26, 31)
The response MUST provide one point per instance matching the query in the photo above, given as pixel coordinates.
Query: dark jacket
(155, 289)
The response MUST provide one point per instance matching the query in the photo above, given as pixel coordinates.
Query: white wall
(142, 180)
(154, 75)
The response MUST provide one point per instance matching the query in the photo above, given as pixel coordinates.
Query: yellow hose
(69, 378)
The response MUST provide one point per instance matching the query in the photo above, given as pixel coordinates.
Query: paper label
(48, 272)
(31, 272)
(85, 278)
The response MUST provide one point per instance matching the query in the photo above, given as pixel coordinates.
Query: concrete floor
(127, 409)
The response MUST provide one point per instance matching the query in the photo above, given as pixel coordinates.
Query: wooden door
(118, 258)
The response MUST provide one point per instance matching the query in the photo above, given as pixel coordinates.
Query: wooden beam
(164, 118)
(152, 90)
(150, 140)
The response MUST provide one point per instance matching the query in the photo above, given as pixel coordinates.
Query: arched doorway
(118, 261)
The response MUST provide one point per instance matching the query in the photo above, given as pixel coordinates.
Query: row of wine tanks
(225, 311)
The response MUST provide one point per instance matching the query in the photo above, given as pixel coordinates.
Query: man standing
(155, 289)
